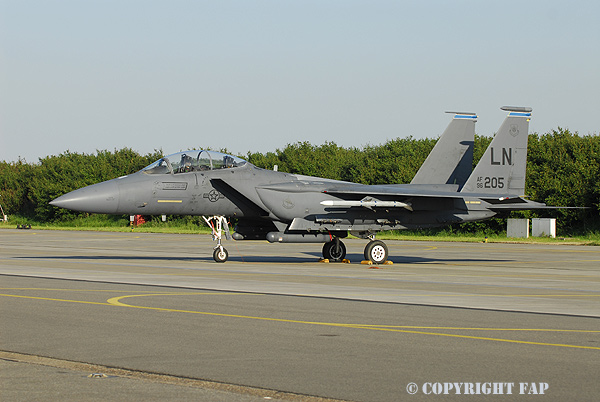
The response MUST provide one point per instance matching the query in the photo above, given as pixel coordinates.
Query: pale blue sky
(257, 75)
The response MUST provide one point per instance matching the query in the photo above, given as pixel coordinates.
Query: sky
(254, 76)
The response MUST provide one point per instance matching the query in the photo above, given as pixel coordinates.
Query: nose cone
(101, 198)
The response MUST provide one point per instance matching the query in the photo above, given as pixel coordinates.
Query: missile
(367, 203)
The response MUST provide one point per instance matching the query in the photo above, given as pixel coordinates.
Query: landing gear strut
(334, 250)
(217, 223)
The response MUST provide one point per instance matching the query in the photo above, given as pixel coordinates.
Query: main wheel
(334, 251)
(220, 254)
(376, 251)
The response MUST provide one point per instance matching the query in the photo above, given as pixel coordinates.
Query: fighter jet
(290, 208)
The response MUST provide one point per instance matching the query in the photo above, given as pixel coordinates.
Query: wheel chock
(369, 262)
(325, 260)
(345, 261)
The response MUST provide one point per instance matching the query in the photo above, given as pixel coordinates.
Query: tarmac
(274, 323)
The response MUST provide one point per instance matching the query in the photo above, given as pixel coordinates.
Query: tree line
(563, 169)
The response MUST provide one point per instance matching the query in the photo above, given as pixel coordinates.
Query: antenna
(517, 109)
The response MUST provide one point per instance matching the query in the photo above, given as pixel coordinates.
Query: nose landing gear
(218, 223)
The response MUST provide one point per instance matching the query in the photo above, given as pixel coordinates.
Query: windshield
(193, 161)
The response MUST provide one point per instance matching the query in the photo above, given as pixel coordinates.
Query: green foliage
(396, 161)
(564, 170)
(28, 188)
(481, 144)
(14, 185)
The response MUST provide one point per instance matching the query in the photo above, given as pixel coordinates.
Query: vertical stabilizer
(451, 159)
(501, 169)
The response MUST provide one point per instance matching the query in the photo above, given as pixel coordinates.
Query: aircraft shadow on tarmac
(253, 259)
(309, 257)
(357, 258)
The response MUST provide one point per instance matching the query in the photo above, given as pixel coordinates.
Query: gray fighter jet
(289, 208)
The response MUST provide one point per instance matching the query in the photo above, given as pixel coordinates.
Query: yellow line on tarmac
(479, 329)
(108, 303)
(52, 299)
(125, 291)
(70, 290)
(486, 339)
(116, 301)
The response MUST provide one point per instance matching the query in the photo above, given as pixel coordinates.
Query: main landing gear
(376, 251)
(217, 223)
(334, 250)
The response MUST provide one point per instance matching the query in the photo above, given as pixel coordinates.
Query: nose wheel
(220, 254)
(376, 251)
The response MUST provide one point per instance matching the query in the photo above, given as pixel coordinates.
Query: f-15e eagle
(291, 208)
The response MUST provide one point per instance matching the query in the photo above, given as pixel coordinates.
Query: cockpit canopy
(193, 161)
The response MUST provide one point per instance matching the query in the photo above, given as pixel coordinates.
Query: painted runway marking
(116, 302)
